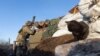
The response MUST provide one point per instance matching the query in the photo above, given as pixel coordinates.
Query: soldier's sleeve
(95, 10)
(89, 9)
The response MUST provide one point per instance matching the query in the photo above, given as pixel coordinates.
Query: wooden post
(14, 45)
(9, 41)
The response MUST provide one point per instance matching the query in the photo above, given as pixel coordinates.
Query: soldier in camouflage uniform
(90, 9)
(22, 37)
(25, 30)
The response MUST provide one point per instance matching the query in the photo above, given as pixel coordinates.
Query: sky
(14, 13)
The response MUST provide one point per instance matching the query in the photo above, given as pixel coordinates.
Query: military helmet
(28, 23)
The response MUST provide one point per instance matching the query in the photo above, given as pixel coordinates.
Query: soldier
(90, 9)
(25, 30)
(23, 34)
